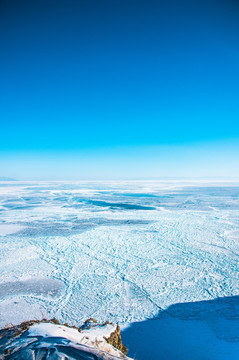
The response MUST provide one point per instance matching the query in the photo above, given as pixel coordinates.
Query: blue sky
(119, 89)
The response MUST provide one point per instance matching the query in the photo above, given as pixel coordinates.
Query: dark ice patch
(73, 226)
(13, 206)
(47, 286)
(123, 206)
(138, 195)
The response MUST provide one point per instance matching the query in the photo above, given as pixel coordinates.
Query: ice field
(123, 252)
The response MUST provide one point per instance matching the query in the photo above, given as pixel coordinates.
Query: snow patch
(7, 229)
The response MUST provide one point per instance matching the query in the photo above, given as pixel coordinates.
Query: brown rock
(116, 341)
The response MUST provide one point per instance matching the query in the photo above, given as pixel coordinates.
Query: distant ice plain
(117, 251)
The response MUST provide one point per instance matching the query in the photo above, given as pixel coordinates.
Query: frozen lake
(123, 252)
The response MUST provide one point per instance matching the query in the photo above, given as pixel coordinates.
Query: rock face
(116, 341)
(50, 340)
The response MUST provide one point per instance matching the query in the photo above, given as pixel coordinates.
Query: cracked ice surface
(117, 251)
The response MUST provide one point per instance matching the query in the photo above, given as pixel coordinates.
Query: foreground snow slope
(47, 340)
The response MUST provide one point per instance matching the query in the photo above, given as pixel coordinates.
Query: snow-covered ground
(47, 340)
(123, 252)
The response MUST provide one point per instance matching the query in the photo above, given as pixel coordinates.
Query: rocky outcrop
(41, 339)
(116, 341)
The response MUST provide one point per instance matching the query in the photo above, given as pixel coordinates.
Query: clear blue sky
(119, 88)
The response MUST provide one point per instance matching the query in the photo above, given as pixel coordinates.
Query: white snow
(6, 229)
(117, 263)
(94, 337)
(95, 334)
(14, 311)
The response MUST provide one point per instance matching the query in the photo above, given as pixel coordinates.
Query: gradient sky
(119, 88)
